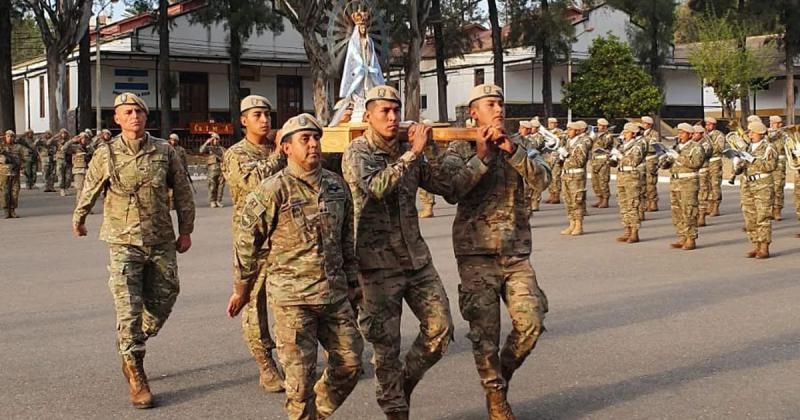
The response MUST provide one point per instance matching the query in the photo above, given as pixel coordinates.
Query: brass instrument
(792, 148)
(552, 141)
(736, 141)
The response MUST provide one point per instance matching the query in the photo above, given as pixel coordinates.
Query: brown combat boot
(578, 230)
(625, 236)
(763, 251)
(8, 214)
(714, 211)
(597, 203)
(679, 244)
(776, 214)
(397, 415)
(603, 203)
(652, 206)
(689, 244)
(534, 205)
(13, 214)
(269, 377)
(569, 228)
(754, 251)
(426, 212)
(139, 389)
(634, 236)
(701, 219)
(497, 406)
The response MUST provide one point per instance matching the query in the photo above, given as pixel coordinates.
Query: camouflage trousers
(255, 320)
(574, 195)
(298, 330)
(628, 193)
(757, 203)
(49, 174)
(485, 280)
(651, 185)
(797, 194)
(642, 190)
(425, 198)
(216, 185)
(30, 173)
(704, 191)
(379, 320)
(78, 179)
(64, 174)
(779, 182)
(683, 202)
(144, 283)
(715, 179)
(555, 165)
(601, 175)
(9, 186)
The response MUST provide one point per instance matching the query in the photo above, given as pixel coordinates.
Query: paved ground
(635, 331)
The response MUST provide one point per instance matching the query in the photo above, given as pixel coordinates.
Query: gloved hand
(672, 154)
(562, 152)
(748, 157)
(616, 154)
(736, 162)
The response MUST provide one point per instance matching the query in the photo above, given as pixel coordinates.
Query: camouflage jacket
(632, 155)
(47, 148)
(59, 141)
(245, 166)
(305, 234)
(215, 154)
(535, 141)
(10, 159)
(80, 153)
(766, 159)
(136, 206)
(28, 149)
(493, 214)
(778, 139)
(602, 145)
(690, 158)
(182, 156)
(651, 136)
(708, 149)
(384, 184)
(578, 149)
(717, 143)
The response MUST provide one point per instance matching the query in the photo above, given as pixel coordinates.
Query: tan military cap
(485, 91)
(302, 122)
(775, 119)
(29, 131)
(343, 102)
(648, 120)
(699, 129)
(85, 135)
(526, 124)
(88, 131)
(214, 135)
(10, 133)
(582, 124)
(105, 131)
(174, 136)
(631, 127)
(602, 121)
(757, 127)
(535, 123)
(686, 127)
(753, 118)
(710, 120)
(254, 101)
(573, 126)
(552, 120)
(128, 98)
(63, 130)
(383, 93)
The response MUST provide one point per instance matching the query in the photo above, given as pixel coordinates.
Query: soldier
(10, 167)
(602, 144)
(535, 141)
(573, 156)
(554, 163)
(80, 151)
(394, 262)
(492, 244)
(793, 160)
(704, 178)
(684, 161)
(627, 158)
(777, 136)
(216, 182)
(137, 171)
(103, 137)
(715, 165)
(758, 189)
(46, 146)
(642, 169)
(525, 128)
(173, 141)
(247, 164)
(651, 163)
(304, 214)
(63, 166)
(30, 158)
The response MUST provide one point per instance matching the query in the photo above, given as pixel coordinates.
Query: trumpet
(552, 142)
(792, 149)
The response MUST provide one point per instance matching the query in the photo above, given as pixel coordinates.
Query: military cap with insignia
(485, 91)
(757, 127)
(552, 120)
(302, 122)
(647, 120)
(535, 123)
(775, 119)
(573, 126)
(686, 128)
(383, 93)
(128, 98)
(602, 121)
(525, 124)
(753, 118)
(699, 129)
(631, 127)
(710, 120)
(254, 101)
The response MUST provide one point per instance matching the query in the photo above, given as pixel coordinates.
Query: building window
(41, 96)
(423, 102)
(479, 77)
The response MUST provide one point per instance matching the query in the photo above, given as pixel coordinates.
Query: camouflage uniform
(245, 166)
(300, 225)
(704, 179)
(80, 154)
(63, 166)
(138, 228)
(642, 169)
(684, 187)
(715, 167)
(30, 160)
(574, 180)
(651, 173)
(555, 165)
(629, 185)
(778, 139)
(492, 244)
(601, 172)
(216, 183)
(10, 169)
(47, 148)
(534, 141)
(758, 192)
(394, 262)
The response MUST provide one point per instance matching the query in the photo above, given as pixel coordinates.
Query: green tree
(788, 17)
(137, 7)
(611, 84)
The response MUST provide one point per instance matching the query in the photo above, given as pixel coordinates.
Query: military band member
(601, 173)
(492, 244)
(643, 143)
(777, 136)
(30, 158)
(248, 163)
(627, 158)
(535, 141)
(79, 152)
(554, 163)
(793, 158)
(216, 182)
(758, 189)
(63, 165)
(11, 162)
(46, 145)
(703, 175)
(715, 165)
(304, 215)
(684, 162)
(651, 136)
(574, 155)
(525, 128)
(136, 171)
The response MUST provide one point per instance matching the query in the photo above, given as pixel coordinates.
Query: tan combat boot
(597, 203)
(689, 244)
(139, 389)
(578, 230)
(763, 251)
(426, 212)
(8, 214)
(534, 205)
(754, 251)
(776, 214)
(701, 219)
(679, 244)
(569, 228)
(603, 203)
(625, 236)
(269, 378)
(634, 237)
(714, 211)
(652, 206)
(497, 406)
(12, 213)
(62, 192)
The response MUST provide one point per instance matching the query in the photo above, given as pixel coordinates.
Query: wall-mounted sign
(132, 80)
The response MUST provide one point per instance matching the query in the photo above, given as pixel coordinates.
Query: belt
(650, 157)
(600, 157)
(782, 157)
(703, 170)
(757, 176)
(714, 159)
(574, 171)
(627, 169)
(684, 175)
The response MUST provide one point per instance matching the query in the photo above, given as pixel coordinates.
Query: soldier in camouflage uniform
(30, 158)
(715, 165)
(627, 158)
(758, 189)
(642, 169)
(103, 137)
(299, 223)
(46, 146)
(601, 172)
(79, 151)
(63, 165)
(535, 141)
(651, 136)
(11, 161)
(777, 137)
(554, 163)
(574, 155)
(136, 171)
(492, 244)
(216, 182)
(394, 261)
(173, 141)
(246, 164)
(684, 162)
(704, 176)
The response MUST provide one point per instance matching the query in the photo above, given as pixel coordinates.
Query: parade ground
(635, 331)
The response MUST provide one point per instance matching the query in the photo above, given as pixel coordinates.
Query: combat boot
(8, 214)
(12, 213)
(763, 251)
(578, 230)
(603, 203)
(634, 236)
(139, 389)
(269, 378)
(535, 205)
(652, 206)
(497, 406)
(754, 251)
(701, 219)
(220, 205)
(776, 214)
(397, 415)
(689, 244)
(62, 192)
(625, 236)
(679, 244)
(714, 210)
(408, 388)
(569, 229)
(426, 212)
(597, 204)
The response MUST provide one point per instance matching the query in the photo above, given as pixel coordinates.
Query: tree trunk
(497, 42)
(412, 64)
(745, 99)
(85, 83)
(547, 70)
(7, 119)
(55, 89)
(164, 80)
(789, 83)
(319, 61)
(441, 76)
(234, 85)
